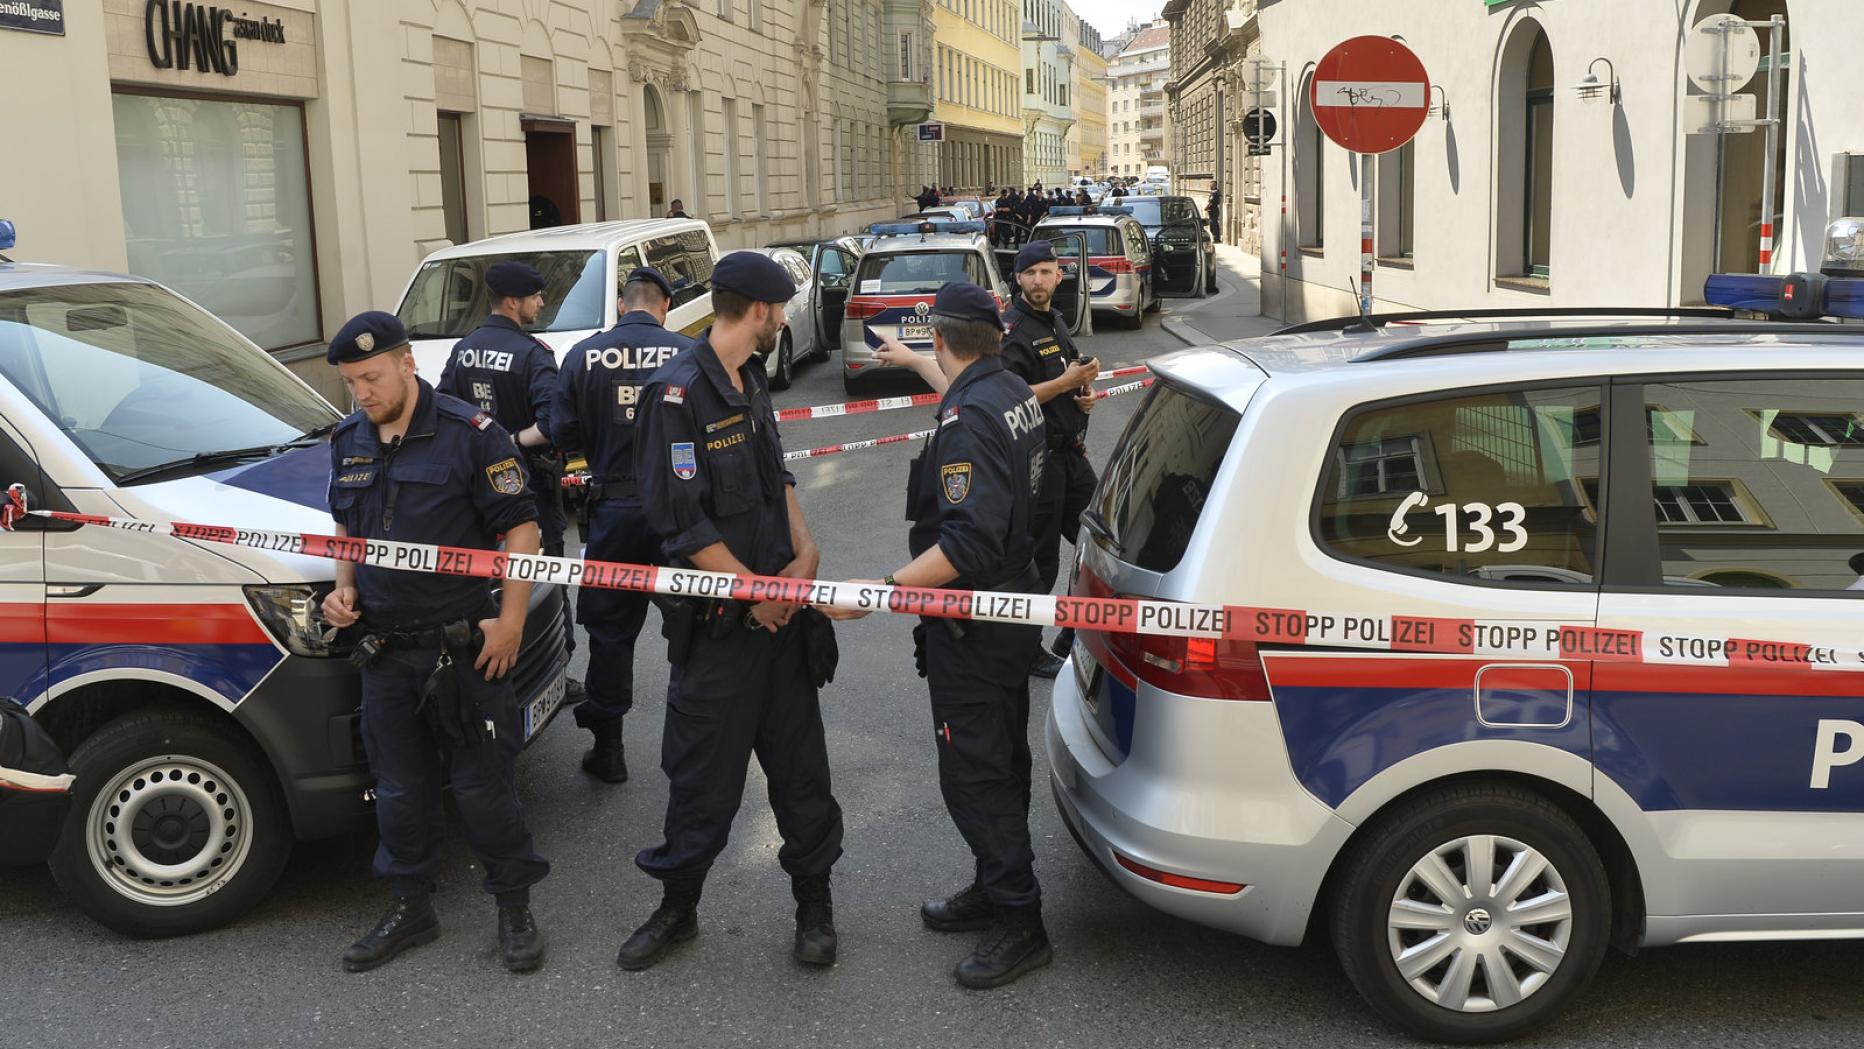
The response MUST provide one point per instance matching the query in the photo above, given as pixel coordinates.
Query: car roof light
(906, 229)
(8, 236)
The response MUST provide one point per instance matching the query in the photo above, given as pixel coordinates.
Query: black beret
(366, 335)
(513, 279)
(650, 275)
(964, 301)
(755, 276)
(1033, 252)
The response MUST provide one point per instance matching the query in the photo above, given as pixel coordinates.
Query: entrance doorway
(659, 150)
(550, 160)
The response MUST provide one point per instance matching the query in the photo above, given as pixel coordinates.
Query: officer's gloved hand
(545, 462)
(919, 648)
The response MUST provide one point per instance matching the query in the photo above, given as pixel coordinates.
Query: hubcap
(1480, 923)
(169, 831)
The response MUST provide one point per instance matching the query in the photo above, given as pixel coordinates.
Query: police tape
(579, 479)
(1506, 638)
(888, 404)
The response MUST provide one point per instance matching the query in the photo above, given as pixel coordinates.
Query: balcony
(1152, 134)
(908, 101)
(1153, 111)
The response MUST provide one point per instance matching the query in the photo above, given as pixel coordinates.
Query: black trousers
(552, 522)
(618, 531)
(980, 719)
(1067, 485)
(747, 693)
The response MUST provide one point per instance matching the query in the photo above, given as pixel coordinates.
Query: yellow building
(1087, 140)
(977, 92)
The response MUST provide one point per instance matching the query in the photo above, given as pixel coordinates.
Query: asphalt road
(1123, 974)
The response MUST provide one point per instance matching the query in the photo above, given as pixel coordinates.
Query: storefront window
(217, 205)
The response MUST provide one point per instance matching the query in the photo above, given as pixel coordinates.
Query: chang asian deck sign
(33, 16)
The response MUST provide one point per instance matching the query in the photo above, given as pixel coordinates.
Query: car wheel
(176, 826)
(786, 365)
(1472, 914)
(1210, 273)
(1154, 303)
(851, 385)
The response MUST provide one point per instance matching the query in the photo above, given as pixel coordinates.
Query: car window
(1146, 210)
(686, 260)
(1161, 476)
(797, 268)
(1101, 240)
(627, 260)
(1136, 244)
(1486, 486)
(835, 267)
(449, 298)
(135, 377)
(914, 272)
(1174, 210)
(1759, 485)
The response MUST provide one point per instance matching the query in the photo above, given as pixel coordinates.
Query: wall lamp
(1441, 105)
(1592, 87)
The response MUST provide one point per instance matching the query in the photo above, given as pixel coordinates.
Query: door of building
(550, 160)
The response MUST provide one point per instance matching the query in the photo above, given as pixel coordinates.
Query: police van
(209, 715)
(1119, 264)
(1490, 710)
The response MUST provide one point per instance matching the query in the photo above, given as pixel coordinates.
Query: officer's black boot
(606, 760)
(1047, 664)
(410, 922)
(519, 942)
(967, 910)
(676, 920)
(1016, 944)
(815, 920)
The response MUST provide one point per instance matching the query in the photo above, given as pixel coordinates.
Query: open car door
(1007, 236)
(834, 271)
(1071, 296)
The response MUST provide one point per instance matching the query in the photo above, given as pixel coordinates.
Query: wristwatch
(890, 581)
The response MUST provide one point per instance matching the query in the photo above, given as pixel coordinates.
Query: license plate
(537, 713)
(915, 333)
(1087, 672)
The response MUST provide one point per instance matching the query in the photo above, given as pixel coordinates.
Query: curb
(1184, 331)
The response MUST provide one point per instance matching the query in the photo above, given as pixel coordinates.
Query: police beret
(1033, 252)
(650, 275)
(513, 279)
(755, 276)
(366, 335)
(964, 301)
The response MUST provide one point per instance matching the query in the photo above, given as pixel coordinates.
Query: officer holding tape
(744, 676)
(418, 466)
(598, 393)
(512, 376)
(1039, 349)
(971, 500)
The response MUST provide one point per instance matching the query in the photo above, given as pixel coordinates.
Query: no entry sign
(1370, 94)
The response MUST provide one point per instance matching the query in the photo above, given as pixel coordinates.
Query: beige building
(288, 167)
(1087, 140)
(1137, 135)
(977, 86)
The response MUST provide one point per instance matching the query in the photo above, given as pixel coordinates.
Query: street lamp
(1592, 87)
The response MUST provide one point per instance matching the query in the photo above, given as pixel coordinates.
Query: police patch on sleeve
(955, 479)
(685, 463)
(674, 395)
(481, 421)
(506, 477)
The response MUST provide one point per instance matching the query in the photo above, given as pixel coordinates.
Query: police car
(1119, 275)
(1486, 710)
(209, 715)
(903, 267)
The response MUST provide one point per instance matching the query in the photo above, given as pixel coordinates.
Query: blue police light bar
(1801, 296)
(1072, 209)
(1116, 209)
(1743, 291)
(8, 236)
(907, 229)
(1089, 209)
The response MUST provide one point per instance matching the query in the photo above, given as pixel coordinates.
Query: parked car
(1184, 253)
(831, 268)
(1119, 275)
(1534, 739)
(209, 715)
(800, 318)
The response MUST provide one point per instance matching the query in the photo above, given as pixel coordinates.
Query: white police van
(209, 716)
(1470, 800)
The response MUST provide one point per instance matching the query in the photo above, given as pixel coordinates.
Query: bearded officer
(1040, 351)
(598, 393)
(417, 466)
(512, 376)
(710, 469)
(971, 500)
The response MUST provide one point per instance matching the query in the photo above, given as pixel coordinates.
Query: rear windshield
(1155, 489)
(1101, 240)
(449, 297)
(915, 272)
(1162, 211)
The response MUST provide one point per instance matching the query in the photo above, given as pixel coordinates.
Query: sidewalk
(1233, 313)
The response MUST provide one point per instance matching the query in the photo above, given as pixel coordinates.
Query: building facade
(1213, 45)
(1532, 186)
(289, 175)
(1048, 92)
(1087, 142)
(1137, 117)
(977, 74)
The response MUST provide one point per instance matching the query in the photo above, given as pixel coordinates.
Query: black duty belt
(621, 488)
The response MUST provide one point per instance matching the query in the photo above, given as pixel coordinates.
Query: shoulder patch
(955, 480)
(505, 477)
(481, 421)
(950, 416)
(685, 463)
(674, 395)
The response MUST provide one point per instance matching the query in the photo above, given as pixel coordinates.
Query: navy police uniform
(709, 465)
(454, 479)
(972, 493)
(1038, 349)
(598, 395)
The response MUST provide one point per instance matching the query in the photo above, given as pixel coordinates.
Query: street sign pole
(1365, 234)
(1773, 137)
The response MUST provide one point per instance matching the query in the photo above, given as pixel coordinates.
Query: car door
(834, 269)
(1743, 504)
(1071, 296)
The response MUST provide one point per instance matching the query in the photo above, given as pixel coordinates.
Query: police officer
(598, 392)
(971, 500)
(709, 465)
(1039, 349)
(512, 376)
(417, 466)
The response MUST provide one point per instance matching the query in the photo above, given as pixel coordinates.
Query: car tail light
(1201, 667)
(1115, 265)
(861, 309)
(1180, 881)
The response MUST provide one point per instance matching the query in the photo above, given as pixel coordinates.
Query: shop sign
(183, 35)
(33, 16)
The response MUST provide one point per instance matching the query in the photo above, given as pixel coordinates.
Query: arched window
(1310, 171)
(1524, 108)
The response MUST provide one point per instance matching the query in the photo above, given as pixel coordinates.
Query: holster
(448, 701)
(822, 654)
(679, 620)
